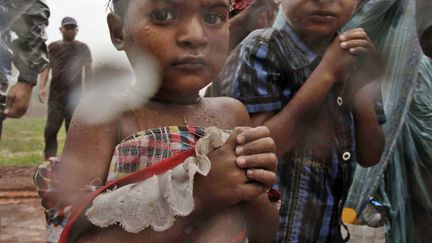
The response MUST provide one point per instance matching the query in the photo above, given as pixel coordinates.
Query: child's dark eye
(162, 15)
(214, 19)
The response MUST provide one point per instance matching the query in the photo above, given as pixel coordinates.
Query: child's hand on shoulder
(242, 169)
(371, 65)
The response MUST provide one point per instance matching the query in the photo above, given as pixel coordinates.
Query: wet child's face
(189, 39)
(320, 18)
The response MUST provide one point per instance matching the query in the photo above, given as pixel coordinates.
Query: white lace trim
(156, 201)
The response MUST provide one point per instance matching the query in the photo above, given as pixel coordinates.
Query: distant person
(245, 17)
(67, 60)
(26, 49)
(249, 15)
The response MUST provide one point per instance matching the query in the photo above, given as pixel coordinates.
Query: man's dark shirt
(67, 61)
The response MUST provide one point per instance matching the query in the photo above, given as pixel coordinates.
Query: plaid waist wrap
(148, 147)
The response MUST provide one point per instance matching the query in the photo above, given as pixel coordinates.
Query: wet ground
(21, 216)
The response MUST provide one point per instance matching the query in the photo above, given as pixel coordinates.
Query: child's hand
(227, 184)
(256, 151)
(338, 62)
(371, 65)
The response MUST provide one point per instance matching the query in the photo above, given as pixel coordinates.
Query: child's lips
(321, 19)
(190, 63)
(321, 16)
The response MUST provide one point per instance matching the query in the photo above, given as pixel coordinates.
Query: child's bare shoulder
(232, 110)
(90, 120)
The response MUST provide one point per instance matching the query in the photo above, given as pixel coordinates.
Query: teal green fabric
(403, 178)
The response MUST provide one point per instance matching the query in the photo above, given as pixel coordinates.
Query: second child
(305, 83)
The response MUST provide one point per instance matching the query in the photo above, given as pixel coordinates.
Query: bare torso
(219, 226)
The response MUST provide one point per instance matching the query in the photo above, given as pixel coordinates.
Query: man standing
(68, 58)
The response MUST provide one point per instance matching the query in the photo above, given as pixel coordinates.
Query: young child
(299, 81)
(189, 41)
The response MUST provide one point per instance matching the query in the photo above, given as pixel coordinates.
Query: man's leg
(53, 125)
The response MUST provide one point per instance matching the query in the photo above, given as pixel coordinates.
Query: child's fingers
(240, 130)
(266, 161)
(253, 134)
(265, 177)
(355, 43)
(262, 145)
(359, 51)
(358, 33)
(232, 139)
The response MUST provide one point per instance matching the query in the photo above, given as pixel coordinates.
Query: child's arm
(86, 156)
(262, 219)
(370, 138)
(286, 125)
(371, 65)
(261, 215)
(360, 95)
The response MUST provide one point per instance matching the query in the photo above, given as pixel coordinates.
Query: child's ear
(115, 25)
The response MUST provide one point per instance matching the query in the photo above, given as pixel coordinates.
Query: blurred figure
(67, 60)
(26, 49)
(249, 15)
(245, 17)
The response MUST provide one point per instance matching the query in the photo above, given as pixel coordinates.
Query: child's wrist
(200, 204)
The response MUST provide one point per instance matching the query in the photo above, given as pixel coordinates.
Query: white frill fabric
(156, 202)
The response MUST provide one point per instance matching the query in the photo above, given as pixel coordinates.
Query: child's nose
(192, 34)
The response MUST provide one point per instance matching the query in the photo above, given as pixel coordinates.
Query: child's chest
(325, 132)
(156, 116)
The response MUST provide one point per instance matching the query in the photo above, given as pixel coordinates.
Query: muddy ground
(21, 216)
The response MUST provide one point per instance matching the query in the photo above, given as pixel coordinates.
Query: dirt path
(21, 216)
